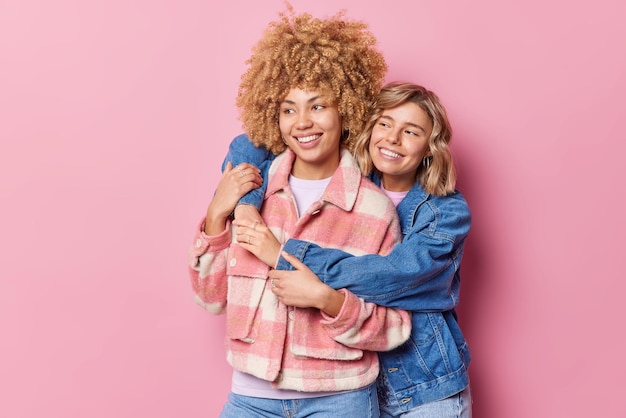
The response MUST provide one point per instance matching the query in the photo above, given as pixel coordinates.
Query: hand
(257, 238)
(233, 185)
(303, 289)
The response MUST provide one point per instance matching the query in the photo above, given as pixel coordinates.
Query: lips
(307, 139)
(389, 153)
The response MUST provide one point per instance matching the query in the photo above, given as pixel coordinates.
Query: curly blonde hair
(438, 176)
(333, 56)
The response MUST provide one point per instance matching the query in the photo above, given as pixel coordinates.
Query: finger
(251, 167)
(276, 274)
(244, 238)
(240, 234)
(227, 169)
(297, 264)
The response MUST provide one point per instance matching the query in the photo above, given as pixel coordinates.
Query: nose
(393, 137)
(303, 121)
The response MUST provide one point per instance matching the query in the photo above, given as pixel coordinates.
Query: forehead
(409, 113)
(309, 92)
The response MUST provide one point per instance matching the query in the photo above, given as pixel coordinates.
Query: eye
(318, 107)
(287, 111)
(384, 124)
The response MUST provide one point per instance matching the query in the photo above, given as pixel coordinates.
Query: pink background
(115, 115)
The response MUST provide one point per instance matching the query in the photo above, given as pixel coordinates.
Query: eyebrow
(415, 125)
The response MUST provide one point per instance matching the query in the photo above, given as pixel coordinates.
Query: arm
(241, 150)
(420, 274)
(207, 269)
(348, 319)
(367, 326)
(207, 258)
(232, 186)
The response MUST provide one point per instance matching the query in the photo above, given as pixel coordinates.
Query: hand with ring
(233, 185)
(303, 289)
(257, 238)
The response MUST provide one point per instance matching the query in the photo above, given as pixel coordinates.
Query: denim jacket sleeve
(241, 150)
(420, 274)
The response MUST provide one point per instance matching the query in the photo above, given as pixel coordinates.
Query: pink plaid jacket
(295, 348)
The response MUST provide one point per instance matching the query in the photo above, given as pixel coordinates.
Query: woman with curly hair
(304, 96)
(405, 148)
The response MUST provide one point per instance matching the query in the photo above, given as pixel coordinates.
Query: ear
(345, 135)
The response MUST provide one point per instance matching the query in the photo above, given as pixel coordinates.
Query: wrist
(214, 223)
(332, 301)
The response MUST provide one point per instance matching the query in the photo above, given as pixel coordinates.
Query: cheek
(375, 139)
(424, 151)
(417, 153)
(283, 125)
(332, 124)
(371, 147)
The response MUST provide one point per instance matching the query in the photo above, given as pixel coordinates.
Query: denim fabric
(421, 274)
(361, 403)
(455, 406)
(241, 150)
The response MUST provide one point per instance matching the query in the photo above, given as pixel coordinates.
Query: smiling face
(398, 143)
(311, 127)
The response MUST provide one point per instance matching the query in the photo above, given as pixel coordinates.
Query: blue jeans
(456, 406)
(362, 403)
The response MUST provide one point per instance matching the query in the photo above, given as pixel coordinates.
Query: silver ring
(242, 172)
(272, 285)
(255, 224)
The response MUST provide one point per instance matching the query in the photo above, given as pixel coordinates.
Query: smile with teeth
(309, 138)
(389, 153)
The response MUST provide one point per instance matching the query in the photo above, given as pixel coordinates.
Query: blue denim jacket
(421, 274)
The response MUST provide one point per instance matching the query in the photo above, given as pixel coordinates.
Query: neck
(396, 184)
(307, 170)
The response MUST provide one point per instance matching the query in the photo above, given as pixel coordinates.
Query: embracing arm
(241, 150)
(367, 326)
(420, 274)
(348, 319)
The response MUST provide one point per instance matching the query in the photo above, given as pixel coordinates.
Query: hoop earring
(426, 162)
